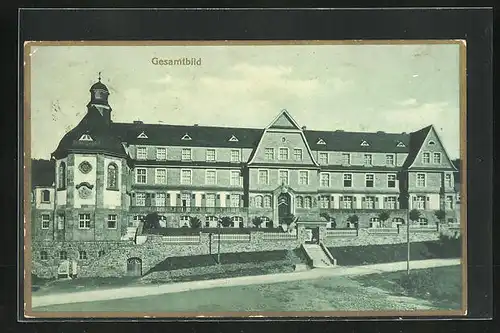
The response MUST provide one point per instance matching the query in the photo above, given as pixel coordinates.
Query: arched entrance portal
(284, 206)
(134, 267)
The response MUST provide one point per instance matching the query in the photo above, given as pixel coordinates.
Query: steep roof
(97, 132)
(352, 141)
(416, 141)
(172, 135)
(42, 173)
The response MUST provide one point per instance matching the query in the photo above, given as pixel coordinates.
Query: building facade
(107, 176)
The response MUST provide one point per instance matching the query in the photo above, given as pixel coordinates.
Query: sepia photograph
(244, 178)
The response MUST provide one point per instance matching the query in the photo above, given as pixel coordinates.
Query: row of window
(186, 176)
(283, 155)
(185, 199)
(426, 158)
(83, 221)
(63, 255)
(111, 184)
(187, 154)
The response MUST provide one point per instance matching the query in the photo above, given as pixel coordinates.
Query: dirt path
(141, 291)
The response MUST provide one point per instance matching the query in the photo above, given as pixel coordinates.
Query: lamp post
(408, 237)
(218, 243)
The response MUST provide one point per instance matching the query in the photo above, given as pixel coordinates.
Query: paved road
(150, 290)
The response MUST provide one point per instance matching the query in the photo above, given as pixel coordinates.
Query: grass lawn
(82, 284)
(442, 286)
(367, 293)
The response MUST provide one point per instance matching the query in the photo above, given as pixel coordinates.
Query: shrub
(257, 221)
(440, 215)
(415, 215)
(226, 221)
(325, 215)
(288, 219)
(383, 217)
(152, 221)
(417, 282)
(194, 222)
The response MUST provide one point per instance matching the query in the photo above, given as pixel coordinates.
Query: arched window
(258, 201)
(45, 196)
(267, 201)
(307, 202)
(44, 255)
(62, 176)
(300, 202)
(112, 176)
(63, 255)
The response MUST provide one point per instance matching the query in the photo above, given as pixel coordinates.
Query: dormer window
(431, 143)
(142, 136)
(233, 139)
(186, 137)
(86, 137)
(400, 145)
(365, 144)
(321, 142)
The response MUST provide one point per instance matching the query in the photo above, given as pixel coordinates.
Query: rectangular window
(391, 181)
(347, 202)
(45, 221)
(210, 177)
(63, 255)
(82, 255)
(264, 177)
(283, 154)
(368, 159)
(160, 199)
(323, 158)
(235, 178)
(420, 179)
(346, 159)
(324, 201)
(303, 177)
(369, 202)
(325, 179)
(112, 221)
(390, 202)
(369, 180)
(186, 177)
(186, 199)
(436, 158)
(142, 153)
(160, 176)
(426, 158)
(267, 201)
(210, 200)
(140, 199)
(449, 202)
(269, 154)
(210, 155)
(234, 200)
(45, 196)
(140, 176)
(420, 202)
(235, 156)
(448, 180)
(297, 154)
(186, 154)
(347, 180)
(84, 221)
(389, 159)
(283, 177)
(161, 153)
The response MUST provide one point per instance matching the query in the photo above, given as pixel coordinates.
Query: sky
(391, 88)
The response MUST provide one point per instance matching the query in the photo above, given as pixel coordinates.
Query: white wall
(112, 199)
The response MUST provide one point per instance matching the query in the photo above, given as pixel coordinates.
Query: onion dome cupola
(91, 135)
(99, 99)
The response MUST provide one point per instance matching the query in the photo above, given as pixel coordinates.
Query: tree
(383, 216)
(226, 221)
(415, 215)
(440, 215)
(257, 221)
(287, 219)
(354, 219)
(325, 215)
(152, 221)
(194, 222)
(333, 223)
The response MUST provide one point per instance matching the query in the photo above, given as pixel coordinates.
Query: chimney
(138, 122)
(304, 128)
(195, 125)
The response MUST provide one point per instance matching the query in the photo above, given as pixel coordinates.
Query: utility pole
(218, 243)
(408, 238)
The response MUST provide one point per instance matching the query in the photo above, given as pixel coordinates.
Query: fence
(181, 239)
(341, 233)
(231, 237)
(423, 228)
(269, 236)
(383, 231)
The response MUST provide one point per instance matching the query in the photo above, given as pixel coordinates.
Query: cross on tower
(99, 76)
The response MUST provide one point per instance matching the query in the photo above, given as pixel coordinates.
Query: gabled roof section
(86, 137)
(42, 173)
(233, 139)
(321, 142)
(186, 137)
(351, 141)
(201, 136)
(284, 121)
(142, 136)
(416, 141)
(400, 145)
(364, 144)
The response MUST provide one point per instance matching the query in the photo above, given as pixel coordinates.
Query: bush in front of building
(152, 221)
(354, 219)
(414, 215)
(194, 222)
(226, 221)
(257, 221)
(383, 216)
(440, 215)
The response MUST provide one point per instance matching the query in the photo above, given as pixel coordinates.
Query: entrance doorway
(312, 235)
(134, 267)
(284, 208)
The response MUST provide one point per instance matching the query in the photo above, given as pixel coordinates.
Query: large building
(106, 176)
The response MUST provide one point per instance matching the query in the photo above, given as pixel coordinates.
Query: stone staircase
(318, 256)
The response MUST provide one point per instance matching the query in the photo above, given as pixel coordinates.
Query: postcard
(240, 179)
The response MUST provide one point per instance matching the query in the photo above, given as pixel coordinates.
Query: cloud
(407, 102)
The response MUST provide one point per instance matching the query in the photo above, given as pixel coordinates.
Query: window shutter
(428, 199)
(363, 199)
(133, 195)
(376, 199)
(241, 200)
(218, 196)
(168, 196)
(354, 199)
(193, 196)
(228, 197)
(341, 198)
(152, 195)
(203, 196)
(414, 198)
(385, 199)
